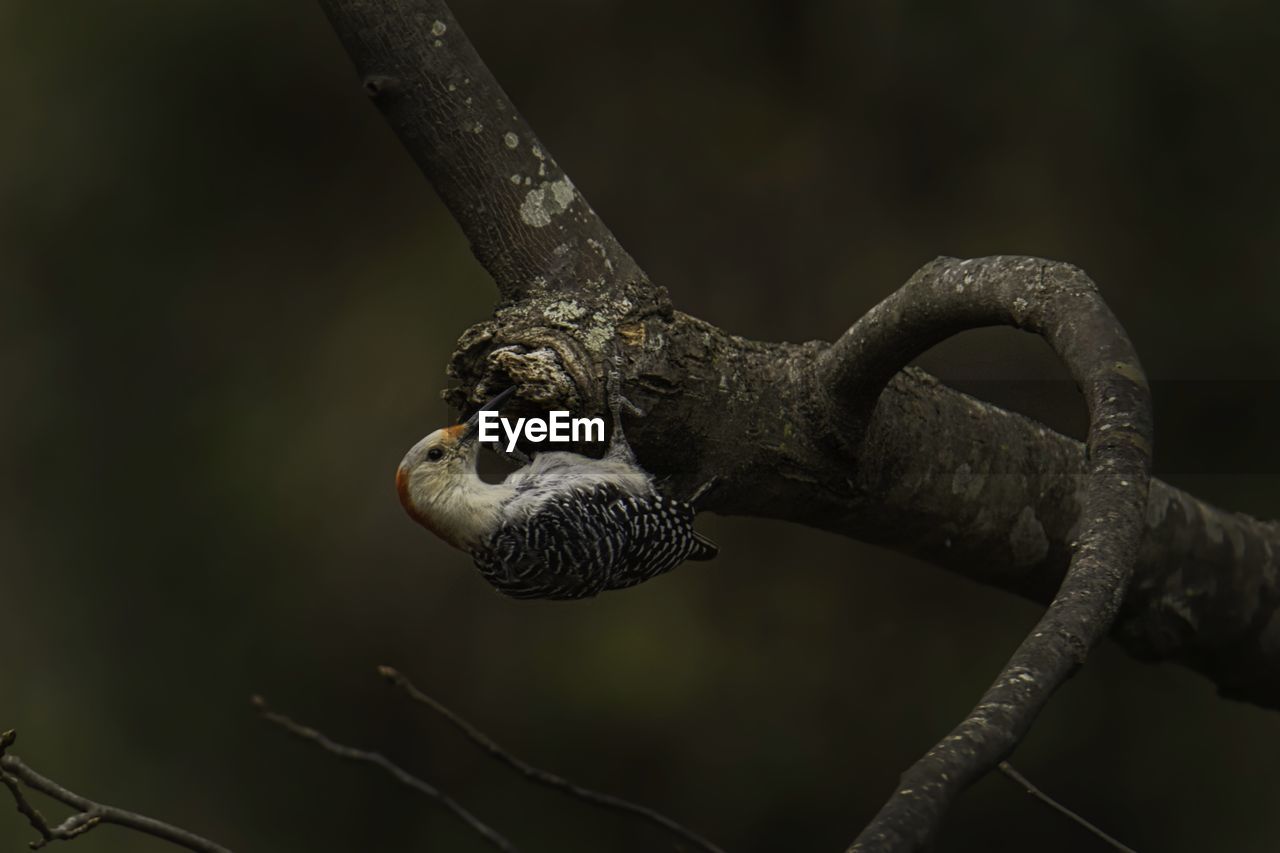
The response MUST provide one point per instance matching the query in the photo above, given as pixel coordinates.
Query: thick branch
(527, 223)
(89, 814)
(811, 432)
(978, 490)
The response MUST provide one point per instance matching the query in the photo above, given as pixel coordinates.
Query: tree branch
(542, 777)
(89, 814)
(527, 223)
(1059, 303)
(977, 490)
(393, 770)
(1007, 769)
(834, 436)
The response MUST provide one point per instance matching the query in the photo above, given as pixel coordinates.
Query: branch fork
(14, 774)
(840, 436)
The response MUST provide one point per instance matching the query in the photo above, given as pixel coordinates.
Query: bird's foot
(613, 390)
(618, 446)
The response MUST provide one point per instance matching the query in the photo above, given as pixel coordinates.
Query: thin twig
(30, 812)
(542, 777)
(1007, 769)
(378, 760)
(89, 814)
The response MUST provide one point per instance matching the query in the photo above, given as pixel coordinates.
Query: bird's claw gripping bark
(618, 446)
(613, 389)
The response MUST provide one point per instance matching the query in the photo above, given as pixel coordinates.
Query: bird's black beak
(472, 425)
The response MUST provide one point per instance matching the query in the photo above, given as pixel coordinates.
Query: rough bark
(1059, 303)
(975, 489)
(837, 436)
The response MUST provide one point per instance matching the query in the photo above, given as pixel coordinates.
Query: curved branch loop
(760, 417)
(1059, 303)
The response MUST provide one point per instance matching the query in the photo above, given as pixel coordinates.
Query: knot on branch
(553, 348)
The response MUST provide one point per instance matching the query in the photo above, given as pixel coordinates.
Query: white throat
(463, 510)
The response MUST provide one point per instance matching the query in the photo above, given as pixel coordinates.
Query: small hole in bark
(377, 85)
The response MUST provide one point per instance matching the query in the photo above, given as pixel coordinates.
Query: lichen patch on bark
(546, 201)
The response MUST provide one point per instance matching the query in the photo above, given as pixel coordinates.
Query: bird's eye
(434, 454)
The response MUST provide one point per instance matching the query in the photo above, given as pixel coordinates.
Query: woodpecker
(563, 526)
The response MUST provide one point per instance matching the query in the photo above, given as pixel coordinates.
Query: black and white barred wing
(585, 541)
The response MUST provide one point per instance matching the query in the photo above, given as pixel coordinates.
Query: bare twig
(395, 771)
(89, 814)
(542, 777)
(1007, 769)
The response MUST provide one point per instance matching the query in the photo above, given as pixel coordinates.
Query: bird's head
(438, 467)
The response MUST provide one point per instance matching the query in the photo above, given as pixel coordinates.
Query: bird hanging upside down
(563, 526)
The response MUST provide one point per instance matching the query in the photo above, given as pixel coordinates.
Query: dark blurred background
(226, 302)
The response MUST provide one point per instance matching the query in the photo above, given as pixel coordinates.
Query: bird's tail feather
(704, 548)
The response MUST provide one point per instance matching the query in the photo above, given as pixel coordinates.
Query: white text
(557, 426)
